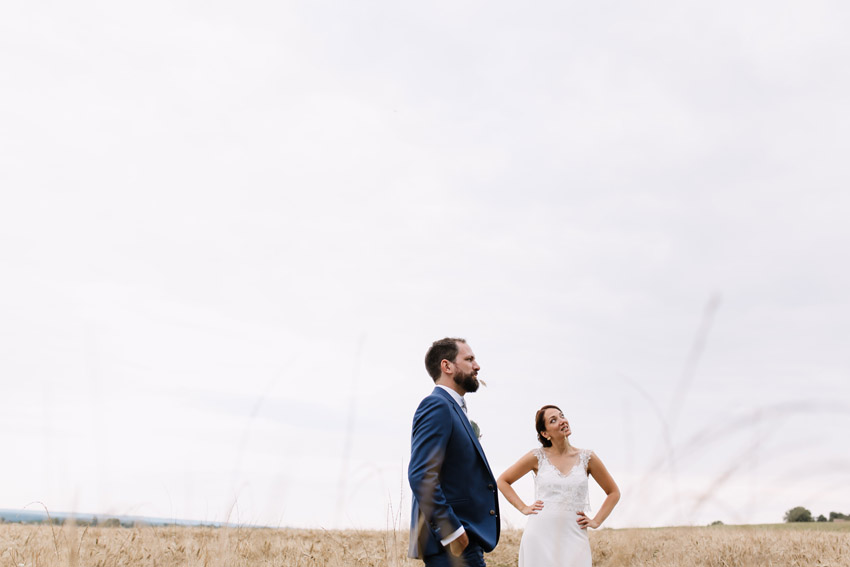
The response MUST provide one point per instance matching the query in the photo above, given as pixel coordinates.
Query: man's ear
(445, 366)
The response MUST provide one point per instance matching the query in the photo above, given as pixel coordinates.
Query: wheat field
(44, 545)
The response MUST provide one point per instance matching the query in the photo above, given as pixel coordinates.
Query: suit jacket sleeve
(432, 427)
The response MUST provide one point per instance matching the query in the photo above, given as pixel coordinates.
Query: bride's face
(556, 424)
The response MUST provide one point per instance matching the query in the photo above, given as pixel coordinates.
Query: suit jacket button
(490, 486)
(492, 512)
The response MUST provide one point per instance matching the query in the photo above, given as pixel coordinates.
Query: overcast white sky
(228, 234)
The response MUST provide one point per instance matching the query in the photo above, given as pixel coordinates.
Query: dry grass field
(822, 545)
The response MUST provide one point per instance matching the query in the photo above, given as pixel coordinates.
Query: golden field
(822, 545)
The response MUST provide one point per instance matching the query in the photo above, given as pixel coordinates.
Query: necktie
(463, 406)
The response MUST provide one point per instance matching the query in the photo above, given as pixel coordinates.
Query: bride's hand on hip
(584, 522)
(527, 510)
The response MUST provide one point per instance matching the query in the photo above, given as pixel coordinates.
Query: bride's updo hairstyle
(541, 427)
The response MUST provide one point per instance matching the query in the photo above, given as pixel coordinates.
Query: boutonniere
(475, 428)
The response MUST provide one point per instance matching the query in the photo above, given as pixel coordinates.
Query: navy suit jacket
(451, 480)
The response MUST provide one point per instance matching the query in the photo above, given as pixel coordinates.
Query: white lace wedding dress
(552, 537)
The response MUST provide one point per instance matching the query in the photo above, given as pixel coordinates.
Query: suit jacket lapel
(468, 426)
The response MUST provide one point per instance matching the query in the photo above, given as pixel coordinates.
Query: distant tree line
(58, 519)
(801, 514)
(90, 521)
(104, 523)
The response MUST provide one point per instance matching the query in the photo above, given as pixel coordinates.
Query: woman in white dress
(556, 532)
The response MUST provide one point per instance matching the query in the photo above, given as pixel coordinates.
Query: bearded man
(455, 511)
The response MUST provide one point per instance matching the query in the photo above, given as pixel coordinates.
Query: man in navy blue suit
(455, 509)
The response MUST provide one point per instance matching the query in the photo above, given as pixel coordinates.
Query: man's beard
(467, 381)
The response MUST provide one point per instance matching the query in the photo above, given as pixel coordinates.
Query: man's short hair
(444, 349)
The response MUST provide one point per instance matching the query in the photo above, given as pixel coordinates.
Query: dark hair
(444, 349)
(541, 427)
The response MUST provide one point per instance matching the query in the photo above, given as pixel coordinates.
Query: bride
(556, 532)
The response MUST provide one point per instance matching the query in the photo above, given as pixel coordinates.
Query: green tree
(822, 518)
(838, 516)
(798, 514)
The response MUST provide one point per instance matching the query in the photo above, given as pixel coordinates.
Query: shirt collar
(455, 396)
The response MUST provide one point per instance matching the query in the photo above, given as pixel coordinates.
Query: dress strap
(585, 456)
(538, 452)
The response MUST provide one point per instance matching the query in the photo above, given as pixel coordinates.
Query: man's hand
(457, 546)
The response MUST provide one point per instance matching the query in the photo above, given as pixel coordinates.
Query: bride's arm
(604, 479)
(515, 472)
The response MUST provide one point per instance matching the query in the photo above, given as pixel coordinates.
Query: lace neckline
(562, 474)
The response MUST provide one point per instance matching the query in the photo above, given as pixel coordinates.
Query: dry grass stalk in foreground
(721, 547)
(53, 546)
